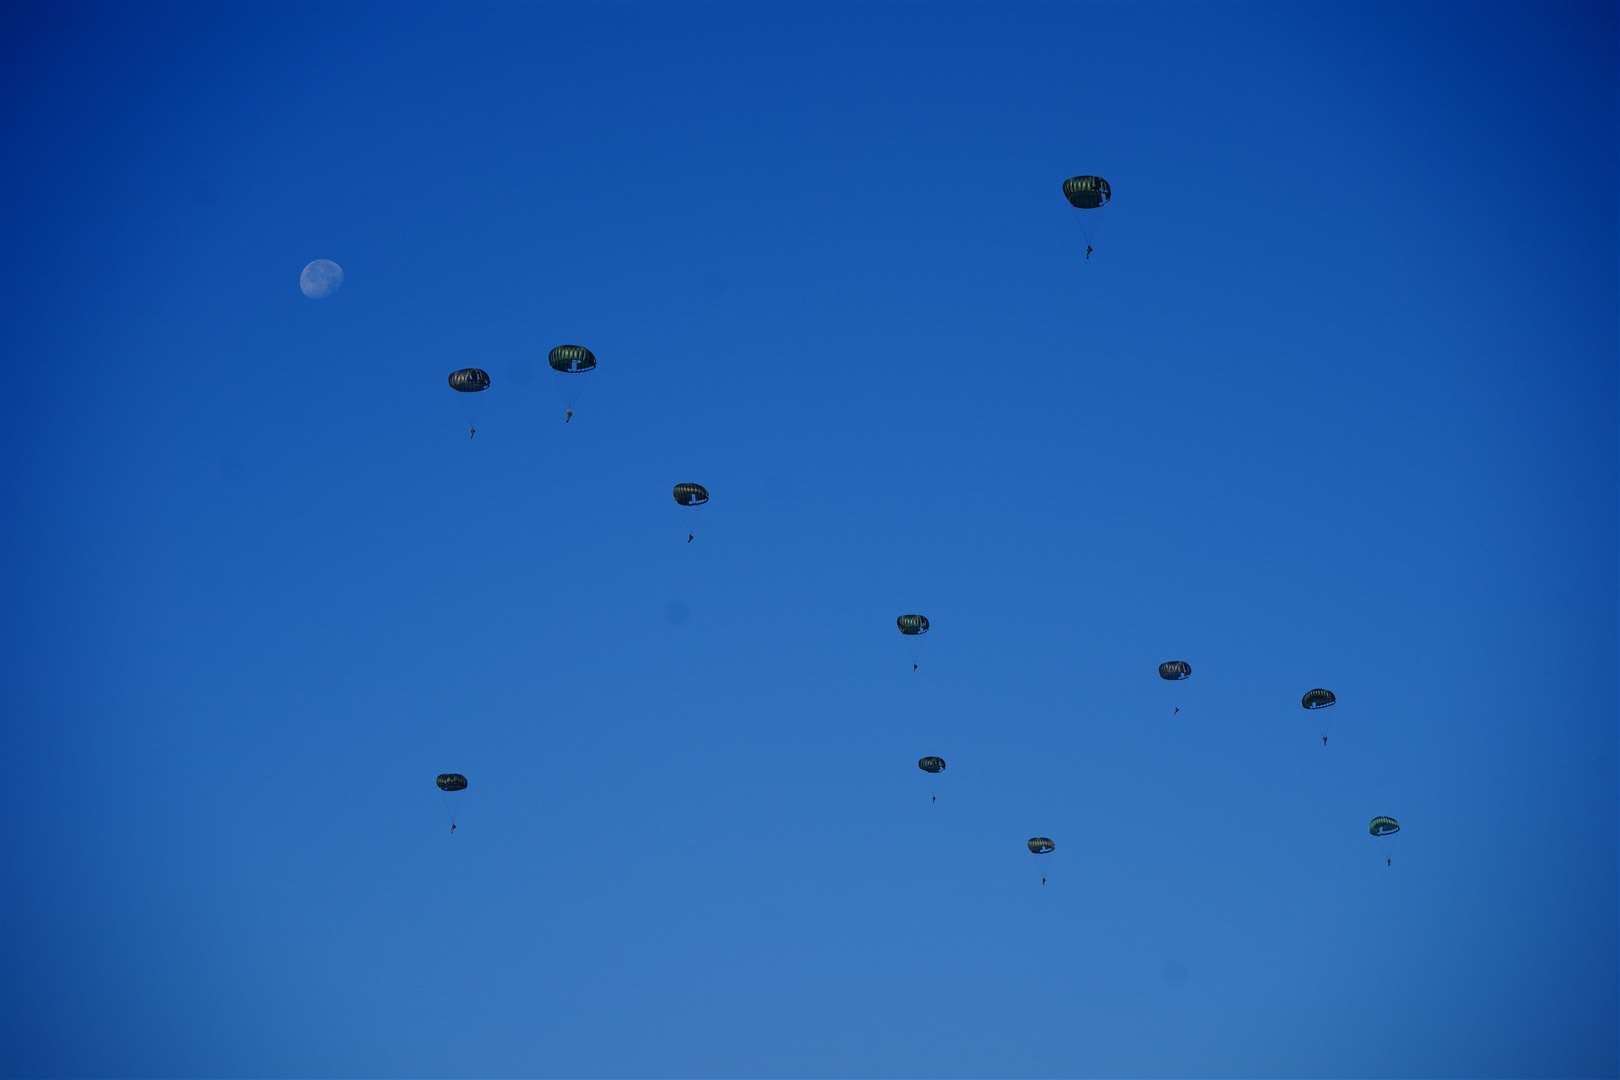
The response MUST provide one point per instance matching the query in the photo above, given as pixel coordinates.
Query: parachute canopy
(912, 625)
(1087, 192)
(572, 359)
(1175, 670)
(451, 781)
(469, 380)
(1383, 826)
(1317, 699)
(691, 494)
(931, 764)
(1041, 845)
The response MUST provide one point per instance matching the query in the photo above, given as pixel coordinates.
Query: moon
(320, 279)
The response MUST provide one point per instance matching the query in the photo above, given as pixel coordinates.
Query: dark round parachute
(1087, 192)
(691, 494)
(1383, 826)
(931, 764)
(572, 359)
(469, 380)
(451, 781)
(1175, 670)
(912, 625)
(1317, 699)
(1041, 845)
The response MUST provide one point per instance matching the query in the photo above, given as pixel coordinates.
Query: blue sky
(1333, 404)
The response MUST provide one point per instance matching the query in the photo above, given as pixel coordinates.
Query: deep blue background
(1333, 404)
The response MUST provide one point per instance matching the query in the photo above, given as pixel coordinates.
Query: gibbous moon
(320, 279)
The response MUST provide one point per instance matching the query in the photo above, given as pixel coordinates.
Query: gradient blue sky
(1333, 404)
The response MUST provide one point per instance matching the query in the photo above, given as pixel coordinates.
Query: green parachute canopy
(1383, 826)
(469, 380)
(1041, 845)
(931, 764)
(1317, 699)
(572, 359)
(451, 781)
(1087, 192)
(691, 494)
(1175, 670)
(912, 625)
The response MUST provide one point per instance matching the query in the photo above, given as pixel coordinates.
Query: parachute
(572, 359)
(469, 380)
(1317, 699)
(1381, 827)
(1175, 670)
(1041, 845)
(933, 766)
(1090, 193)
(1087, 192)
(450, 782)
(912, 625)
(691, 494)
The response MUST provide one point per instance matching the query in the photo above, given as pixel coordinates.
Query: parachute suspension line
(913, 626)
(1090, 195)
(689, 495)
(1041, 845)
(1091, 231)
(470, 381)
(1175, 671)
(932, 765)
(449, 784)
(572, 361)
